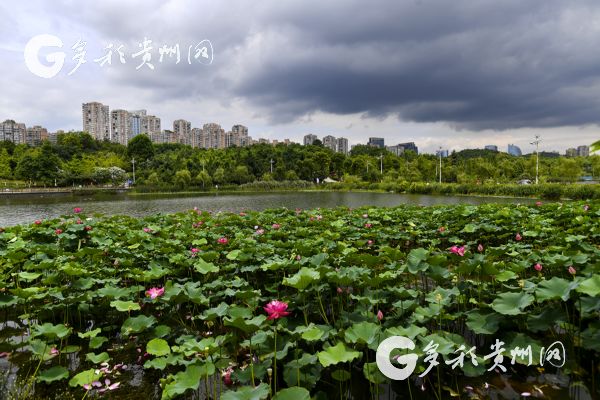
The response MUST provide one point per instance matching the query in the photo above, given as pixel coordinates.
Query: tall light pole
(133, 163)
(537, 157)
(272, 165)
(440, 164)
(381, 163)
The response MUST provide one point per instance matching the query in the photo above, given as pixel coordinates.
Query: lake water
(24, 209)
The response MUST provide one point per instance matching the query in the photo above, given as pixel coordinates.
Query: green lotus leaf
(416, 260)
(204, 267)
(373, 374)
(158, 347)
(6, 300)
(555, 288)
(302, 278)
(89, 334)
(97, 358)
(188, 380)
(50, 331)
(341, 375)
(590, 286)
(312, 334)
(259, 392)
(29, 276)
(85, 378)
(511, 303)
(337, 354)
(483, 323)
(137, 324)
(245, 325)
(411, 332)
(362, 332)
(293, 393)
(97, 342)
(125, 306)
(53, 374)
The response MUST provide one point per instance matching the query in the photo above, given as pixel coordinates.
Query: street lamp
(272, 165)
(440, 164)
(133, 163)
(381, 163)
(537, 157)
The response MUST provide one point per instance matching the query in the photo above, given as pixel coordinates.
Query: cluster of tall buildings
(339, 145)
(580, 151)
(18, 133)
(120, 126)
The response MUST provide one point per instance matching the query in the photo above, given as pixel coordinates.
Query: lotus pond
(293, 304)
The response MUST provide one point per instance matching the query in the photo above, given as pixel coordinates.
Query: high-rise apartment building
(35, 135)
(151, 127)
(376, 142)
(572, 152)
(514, 150)
(583, 151)
(96, 120)
(239, 136)
(342, 145)
(330, 142)
(309, 139)
(212, 137)
(12, 131)
(135, 122)
(120, 126)
(491, 147)
(183, 131)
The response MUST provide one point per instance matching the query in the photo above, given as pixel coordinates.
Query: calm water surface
(24, 209)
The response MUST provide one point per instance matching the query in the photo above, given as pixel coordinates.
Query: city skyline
(456, 75)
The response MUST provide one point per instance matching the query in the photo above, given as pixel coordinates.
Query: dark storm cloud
(474, 65)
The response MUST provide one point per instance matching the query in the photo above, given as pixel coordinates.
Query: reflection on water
(17, 209)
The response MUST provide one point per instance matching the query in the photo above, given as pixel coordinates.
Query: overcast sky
(456, 74)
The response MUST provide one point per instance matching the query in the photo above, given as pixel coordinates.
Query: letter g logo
(32, 51)
(383, 358)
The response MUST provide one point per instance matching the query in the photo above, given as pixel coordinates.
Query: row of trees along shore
(78, 159)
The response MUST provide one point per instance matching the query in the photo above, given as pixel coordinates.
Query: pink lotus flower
(518, 237)
(259, 232)
(369, 242)
(480, 248)
(227, 377)
(319, 217)
(340, 290)
(538, 203)
(79, 222)
(58, 231)
(147, 230)
(365, 215)
(275, 226)
(77, 210)
(242, 214)
(194, 251)
(538, 267)
(4, 354)
(54, 351)
(572, 270)
(155, 292)
(379, 315)
(108, 386)
(87, 228)
(586, 207)
(223, 240)
(276, 309)
(367, 225)
(298, 257)
(37, 222)
(441, 229)
(458, 250)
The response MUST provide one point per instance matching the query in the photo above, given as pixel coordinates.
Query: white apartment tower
(96, 120)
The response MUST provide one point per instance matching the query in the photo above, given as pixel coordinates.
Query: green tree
(204, 179)
(219, 176)
(183, 178)
(5, 170)
(140, 148)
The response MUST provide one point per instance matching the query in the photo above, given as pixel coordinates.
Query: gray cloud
(471, 66)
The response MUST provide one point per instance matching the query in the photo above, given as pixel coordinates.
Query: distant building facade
(35, 135)
(342, 145)
(135, 122)
(151, 127)
(572, 152)
(583, 151)
(376, 142)
(96, 120)
(309, 139)
(491, 147)
(120, 125)
(514, 150)
(330, 142)
(12, 131)
(183, 131)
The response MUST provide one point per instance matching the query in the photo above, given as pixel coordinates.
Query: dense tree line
(78, 159)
